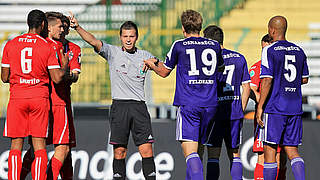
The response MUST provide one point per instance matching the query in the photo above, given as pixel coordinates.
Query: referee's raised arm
(85, 35)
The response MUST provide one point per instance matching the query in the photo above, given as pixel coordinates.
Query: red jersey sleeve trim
(54, 67)
(5, 65)
(76, 69)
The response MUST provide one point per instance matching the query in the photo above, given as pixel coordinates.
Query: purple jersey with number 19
(197, 60)
(286, 63)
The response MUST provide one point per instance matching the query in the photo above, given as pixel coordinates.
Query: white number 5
(26, 63)
(290, 67)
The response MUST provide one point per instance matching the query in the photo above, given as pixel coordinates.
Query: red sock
(39, 165)
(14, 164)
(258, 172)
(56, 166)
(282, 173)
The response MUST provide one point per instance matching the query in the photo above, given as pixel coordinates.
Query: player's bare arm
(157, 67)
(305, 80)
(85, 35)
(5, 74)
(265, 89)
(245, 95)
(256, 94)
(57, 75)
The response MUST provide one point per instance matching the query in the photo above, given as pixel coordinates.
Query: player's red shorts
(61, 126)
(27, 117)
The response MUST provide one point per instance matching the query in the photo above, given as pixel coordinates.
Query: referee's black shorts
(130, 115)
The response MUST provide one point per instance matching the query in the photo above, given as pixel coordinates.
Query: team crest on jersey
(251, 73)
(70, 55)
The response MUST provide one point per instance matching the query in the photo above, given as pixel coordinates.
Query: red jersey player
(258, 144)
(61, 133)
(27, 63)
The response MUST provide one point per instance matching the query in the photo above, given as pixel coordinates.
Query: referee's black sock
(148, 168)
(119, 169)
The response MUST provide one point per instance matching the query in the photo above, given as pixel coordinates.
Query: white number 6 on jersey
(26, 63)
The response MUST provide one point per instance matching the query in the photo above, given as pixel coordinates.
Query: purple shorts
(227, 130)
(282, 129)
(193, 123)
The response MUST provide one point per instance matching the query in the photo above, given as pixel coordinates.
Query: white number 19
(204, 58)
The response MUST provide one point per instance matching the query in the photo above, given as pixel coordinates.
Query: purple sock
(194, 167)
(270, 171)
(236, 169)
(213, 169)
(297, 165)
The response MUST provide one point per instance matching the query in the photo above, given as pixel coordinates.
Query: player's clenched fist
(73, 21)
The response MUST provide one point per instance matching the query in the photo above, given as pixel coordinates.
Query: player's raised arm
(58, 74)
(85, 35)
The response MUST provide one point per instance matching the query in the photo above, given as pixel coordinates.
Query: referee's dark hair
(266, 38)
(36, 18)
(129, 25)
(214, 32)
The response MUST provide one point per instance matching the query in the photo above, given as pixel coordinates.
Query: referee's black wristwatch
(157, 62)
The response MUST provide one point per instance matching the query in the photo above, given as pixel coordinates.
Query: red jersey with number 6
(29, 57)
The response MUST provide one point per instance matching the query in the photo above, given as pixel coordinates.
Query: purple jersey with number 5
(197, 60)
(235, 74)
(286, 63)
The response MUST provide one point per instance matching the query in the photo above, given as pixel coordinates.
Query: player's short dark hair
(214, 32)
(53, 16)
(266, 38)
(36, 18)
(65, 19)
(129, 25)
(191, 21)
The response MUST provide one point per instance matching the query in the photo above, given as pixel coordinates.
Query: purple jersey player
(283, 69)
(197, 60)
(229, 116)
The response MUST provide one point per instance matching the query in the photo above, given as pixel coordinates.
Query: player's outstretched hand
(150, 63)
(259, 117)
(73, 21)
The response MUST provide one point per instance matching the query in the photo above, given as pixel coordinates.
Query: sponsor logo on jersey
(29, 81)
